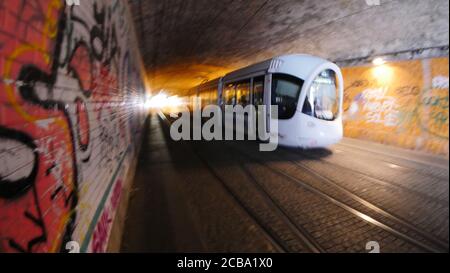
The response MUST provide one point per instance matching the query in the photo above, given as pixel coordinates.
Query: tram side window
(191, 100)
(213, 96)
(243, 93)
(210, 94)
(229, 94)
(285, 94)
(258, 91)
(204, 98)
(208, 97)
(200, 97)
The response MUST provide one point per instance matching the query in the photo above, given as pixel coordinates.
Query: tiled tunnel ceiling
(185, 42)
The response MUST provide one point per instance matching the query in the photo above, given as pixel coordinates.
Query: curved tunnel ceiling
(185, 42)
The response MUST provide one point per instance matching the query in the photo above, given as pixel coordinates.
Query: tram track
(430, 244)
(271, 234)
(301, 234)
(393, 216)
(370, 178)
(398, 161)
(401, 228)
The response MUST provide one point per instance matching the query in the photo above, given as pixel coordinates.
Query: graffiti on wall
(401, 103)
(70, 104)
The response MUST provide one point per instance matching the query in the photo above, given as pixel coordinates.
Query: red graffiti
(82, 124)
(35, 206)
(64, 119)
(100, 235)
(115, 198)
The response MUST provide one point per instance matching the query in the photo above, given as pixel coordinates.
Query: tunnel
(226, 126)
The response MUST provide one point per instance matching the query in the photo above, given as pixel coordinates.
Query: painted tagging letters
(71, 94)
(400, 103)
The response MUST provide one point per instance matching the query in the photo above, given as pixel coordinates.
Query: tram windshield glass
(322, 98)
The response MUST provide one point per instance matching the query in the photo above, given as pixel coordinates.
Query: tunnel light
(157, 101)
(378, 61)
(161, 100)
(174, 101)
(383, 74)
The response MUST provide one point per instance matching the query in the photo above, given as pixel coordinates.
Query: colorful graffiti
(71, 94)
(400, 103)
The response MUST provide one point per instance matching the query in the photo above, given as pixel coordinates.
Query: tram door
(261, 96)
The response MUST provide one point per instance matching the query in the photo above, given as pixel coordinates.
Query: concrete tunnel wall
(71, 93)
(193, 41)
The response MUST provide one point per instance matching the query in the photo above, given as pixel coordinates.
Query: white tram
(307, 90)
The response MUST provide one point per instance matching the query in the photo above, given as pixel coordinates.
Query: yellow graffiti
(62, 224)
(50, 31)
(63, 221)
(400, 103)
